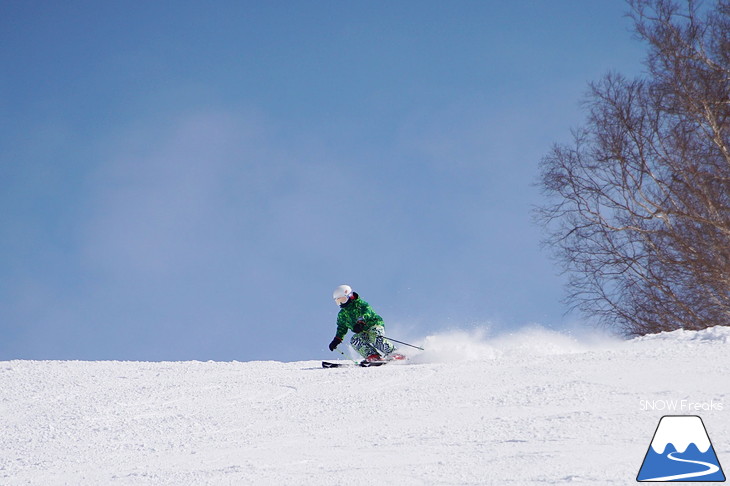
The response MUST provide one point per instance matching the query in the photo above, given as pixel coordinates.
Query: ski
(328, 364)
(364, 364)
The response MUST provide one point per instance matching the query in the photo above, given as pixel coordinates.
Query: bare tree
(638, 207)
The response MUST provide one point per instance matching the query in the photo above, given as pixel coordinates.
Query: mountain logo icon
(680, 451)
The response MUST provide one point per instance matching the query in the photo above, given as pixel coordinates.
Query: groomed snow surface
(536, 407)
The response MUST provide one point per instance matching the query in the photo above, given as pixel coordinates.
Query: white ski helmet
(342, 294)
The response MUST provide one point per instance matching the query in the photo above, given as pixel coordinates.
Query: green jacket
(355, 310)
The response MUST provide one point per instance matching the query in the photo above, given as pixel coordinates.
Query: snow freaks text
(680, 406)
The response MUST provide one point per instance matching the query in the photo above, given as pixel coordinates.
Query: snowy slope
(532, 408)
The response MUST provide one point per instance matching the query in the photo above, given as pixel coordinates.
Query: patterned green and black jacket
(355, 310)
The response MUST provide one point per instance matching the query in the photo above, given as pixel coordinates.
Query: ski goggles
(342, 300)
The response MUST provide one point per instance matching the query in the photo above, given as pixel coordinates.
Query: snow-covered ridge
(478, 344)
(719, 334)
(534, 407)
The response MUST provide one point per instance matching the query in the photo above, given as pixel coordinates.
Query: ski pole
(401, 342)
(347, 357)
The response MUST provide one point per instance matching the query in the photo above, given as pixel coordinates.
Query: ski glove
(335, 342)
(358, 327)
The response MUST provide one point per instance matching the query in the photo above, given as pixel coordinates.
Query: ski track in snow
(533, 408)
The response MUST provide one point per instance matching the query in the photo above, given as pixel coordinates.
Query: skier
(357, 315)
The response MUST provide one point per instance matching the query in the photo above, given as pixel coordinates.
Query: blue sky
(191, 180)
